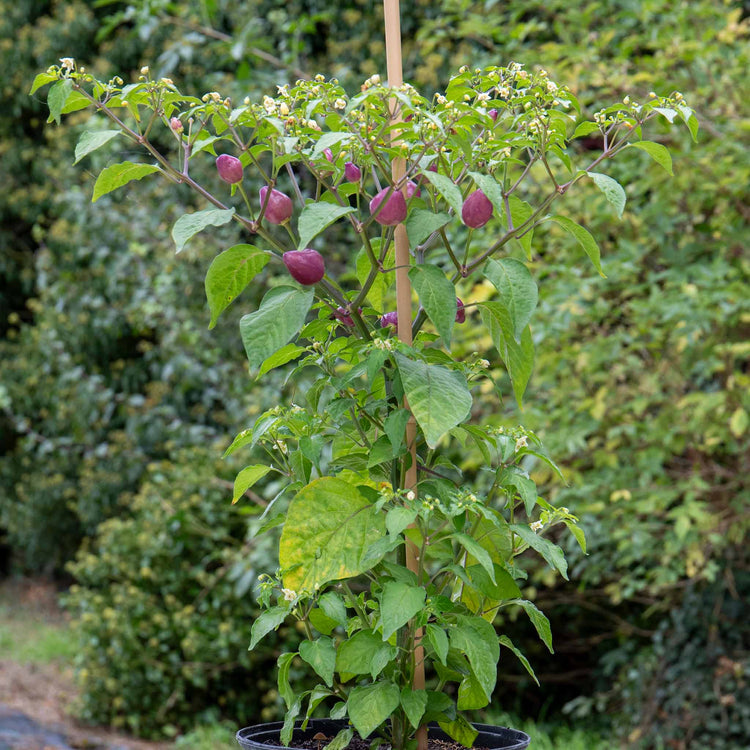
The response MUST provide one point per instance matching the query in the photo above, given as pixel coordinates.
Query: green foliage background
(641, 383)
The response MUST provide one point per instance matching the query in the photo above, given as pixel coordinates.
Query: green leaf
(539, 621)
(525, 487)
(265, 623)
(247, 478)
(554, 556)
(477, 639)
(399, 602)
(439, 398)
(334, 607)
(612, 190)
(518, 291)
(489, 186)
(228, 275)
(578, 533)
(190, 224)
(438, 298)
(281, 314)
(364, 653)
(321, 621)
(502, 587)
(585, 240)
(518, 359)
(315, 217)
(369, 706)
(520, 213)
(690, 120)
(660, 154)
(414, 703)
(586, 128)
(439, 641)
(57, 97)
(118, 175)
(330, 139)
(397, 519)
(320, 654)
(447, 188)
(460, 730)
(341, 740)
(283, 356)
(505, 641)
(284, 663)
(471, 696)
(42, 79)
(478, 552)
(395, 427)
(92, 140)
(421, 223)
(329, 527)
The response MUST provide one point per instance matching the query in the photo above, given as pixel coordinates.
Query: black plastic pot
(259, 736)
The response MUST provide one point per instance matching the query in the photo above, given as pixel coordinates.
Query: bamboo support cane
(403, 294)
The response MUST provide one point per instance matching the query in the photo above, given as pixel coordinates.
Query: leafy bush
(157, 604)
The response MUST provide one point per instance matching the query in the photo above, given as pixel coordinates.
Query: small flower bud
(229, 168)
(477, 210)
(352, 172)
(176, 125)
(328, 154)
(393, 212)
(493, 114)
(279, 207)
(305, 266)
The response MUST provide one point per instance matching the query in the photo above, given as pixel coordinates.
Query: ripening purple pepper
(279, 208)
(477, 210)
(352, 173)
(393, 212)
(305, 266)
(229, 168)
(460, 312)
(389, 319)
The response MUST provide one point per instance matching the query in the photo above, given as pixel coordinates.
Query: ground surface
(36, 684)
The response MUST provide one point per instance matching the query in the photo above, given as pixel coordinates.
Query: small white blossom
(536, 526)
(144, 70)
(340, 104)
(483, 97)
(522, 442)
(410, 495)
(289, 595)
(67, 63)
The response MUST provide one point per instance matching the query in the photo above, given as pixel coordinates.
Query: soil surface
(35, 699)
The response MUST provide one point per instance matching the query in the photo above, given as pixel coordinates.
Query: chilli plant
(390, 558)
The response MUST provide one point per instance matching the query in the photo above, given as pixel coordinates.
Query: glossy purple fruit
(460, 312)
(305, 266)
(279, 207)
(229, 168)
(389, 319)
(342, 315)
(352, 172)
(477, 210)
(412, 189)
(393, 212)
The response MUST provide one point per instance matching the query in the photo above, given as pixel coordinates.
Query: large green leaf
(399, 602)
(369, 706)
(117, 175)
(422, 223)
(265, 623)
(281, 314)
(320, 654)
(329, 527)
(92, 140)
(660, 154)
(228, 275)
(414, 703)
(315, 217)
(612, 190)
(549, 551)
(585, 240)
(517, 358)
(477, 639)
(190, 224)
(518, 290)
(438, 298)
(364, 653)
(439, 398)
(447, 188)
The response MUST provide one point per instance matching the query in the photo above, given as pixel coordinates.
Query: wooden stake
(403, 294)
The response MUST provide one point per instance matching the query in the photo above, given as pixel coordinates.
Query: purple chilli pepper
(477, 210)
(393, 212)
(279, 208)
(460, 312)
(352, 172)
(305, 266)
(390, 319)
(228, 167)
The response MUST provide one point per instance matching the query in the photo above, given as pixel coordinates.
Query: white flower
(536, 526)
(67, 63)
(289, 595)
(522, 442)
(144, 70)
(339, 104)
(410, 495)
